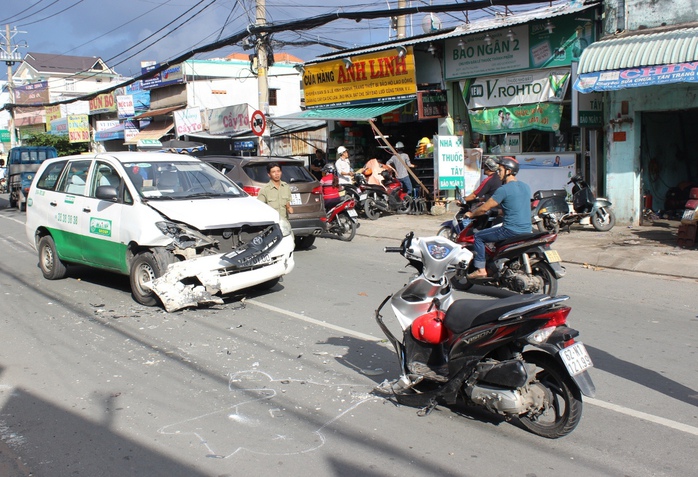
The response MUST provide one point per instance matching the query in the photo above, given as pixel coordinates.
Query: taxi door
(100, 221)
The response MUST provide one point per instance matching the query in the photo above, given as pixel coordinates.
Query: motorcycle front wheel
(545, 224)
(405, 205)
(372, 212)
(543, 270)
(345, 228)
(563, 401)
(447, 233)
(603, 220)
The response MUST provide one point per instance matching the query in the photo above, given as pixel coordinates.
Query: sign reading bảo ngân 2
(373, 78)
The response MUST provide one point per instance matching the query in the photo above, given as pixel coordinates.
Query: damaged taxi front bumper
(204, 280)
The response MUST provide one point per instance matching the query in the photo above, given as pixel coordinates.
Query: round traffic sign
(259, 123)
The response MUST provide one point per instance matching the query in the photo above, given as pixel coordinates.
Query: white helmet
(341, 150)
(399, 145)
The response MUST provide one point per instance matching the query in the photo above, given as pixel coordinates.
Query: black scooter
(550, 210)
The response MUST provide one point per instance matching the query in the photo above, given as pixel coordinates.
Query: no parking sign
(258, 122)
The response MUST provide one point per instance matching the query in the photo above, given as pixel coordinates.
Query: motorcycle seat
(529, 236)
(465, 314)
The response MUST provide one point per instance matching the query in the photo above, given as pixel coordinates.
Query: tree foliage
(61, 143)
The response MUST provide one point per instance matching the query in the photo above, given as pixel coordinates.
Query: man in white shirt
(343, 167)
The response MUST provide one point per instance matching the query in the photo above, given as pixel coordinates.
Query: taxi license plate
(352, 213)
(576, 359)
(296, 199)
(261, 260)
(552, 256)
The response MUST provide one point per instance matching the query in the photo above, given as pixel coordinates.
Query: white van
(183, 232)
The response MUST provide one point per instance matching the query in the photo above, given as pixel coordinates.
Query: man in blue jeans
(514, 197)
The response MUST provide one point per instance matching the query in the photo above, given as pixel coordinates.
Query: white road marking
(678, 426)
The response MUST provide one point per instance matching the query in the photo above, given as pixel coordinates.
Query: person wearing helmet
(400, 163)
(331, 190)
(342, 166)
(490, 183)
(514, 197)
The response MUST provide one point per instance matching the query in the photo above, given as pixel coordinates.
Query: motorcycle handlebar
(392, 249)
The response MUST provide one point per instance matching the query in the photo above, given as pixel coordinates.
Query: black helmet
(508, 162)
(328, 169)
(490, 164)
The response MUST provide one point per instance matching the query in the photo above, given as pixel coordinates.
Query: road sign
(259, 123)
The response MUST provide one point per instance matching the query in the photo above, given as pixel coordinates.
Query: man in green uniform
(276, 193)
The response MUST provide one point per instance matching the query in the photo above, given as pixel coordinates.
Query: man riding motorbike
(514, 197)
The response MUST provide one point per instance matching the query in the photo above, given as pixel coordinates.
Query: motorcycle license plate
(576, 359)
(688, 214)
(296, 199)
(363, 197)
(352, 213)
(552, 256)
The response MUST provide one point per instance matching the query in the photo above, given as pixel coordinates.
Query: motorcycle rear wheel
(405, 205)
(545, 225)
(564, 407)
(543, 270)
(603, 220)
(345, 228)
(372, 212)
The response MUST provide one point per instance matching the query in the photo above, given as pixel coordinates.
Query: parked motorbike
(342, 220)
(515, 357)
(389, 198)
(550, 210)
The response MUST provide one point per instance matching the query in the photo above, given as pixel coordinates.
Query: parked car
(183, 232)
(22, 164)
(308, 219)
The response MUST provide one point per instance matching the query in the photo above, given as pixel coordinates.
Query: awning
(158, 112)
(347, 113)
(286, 126)
(650, 57)
(153, 131)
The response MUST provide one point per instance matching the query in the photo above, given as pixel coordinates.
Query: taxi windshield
(180, 180)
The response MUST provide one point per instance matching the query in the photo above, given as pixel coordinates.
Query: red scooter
(390, 198)
(342, 219)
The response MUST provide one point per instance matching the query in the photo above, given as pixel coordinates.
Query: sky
(125, 32)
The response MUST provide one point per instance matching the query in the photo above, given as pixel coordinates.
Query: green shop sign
(510, 119)
(4, 135)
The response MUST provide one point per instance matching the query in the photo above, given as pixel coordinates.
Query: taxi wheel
(51, 266)
(144, 269)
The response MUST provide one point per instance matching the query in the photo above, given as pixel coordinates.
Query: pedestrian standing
(400, 164)
(343, 167)
(276, 193)
(317, 164)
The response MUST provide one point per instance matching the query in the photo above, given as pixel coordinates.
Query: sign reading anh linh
(376, 77)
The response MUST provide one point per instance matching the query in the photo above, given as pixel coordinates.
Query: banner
(542, 116)
(635, 77)
(536, 86)
(450, 162)
(188, 121)
(103, 103)
(78, 128)
(383, 76)
(124, 106)
(231, 119)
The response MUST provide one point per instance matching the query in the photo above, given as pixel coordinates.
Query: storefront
(511, 93)
(649, 82)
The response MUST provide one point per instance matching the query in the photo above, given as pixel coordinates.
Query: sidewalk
(648, 249)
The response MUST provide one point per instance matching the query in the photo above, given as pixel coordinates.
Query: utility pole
(262, 78)
(10, 56)
(401, 26)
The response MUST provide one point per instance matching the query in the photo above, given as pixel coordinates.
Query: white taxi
(183, 232)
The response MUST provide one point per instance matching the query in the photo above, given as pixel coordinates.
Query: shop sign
(32, 93)
(26, 116)
(529, 46)
(59, 127)
(125, 106)
(432, 104)
(188, 121)
(4, 135)
(78, 128)
(541, 116)
(231, 119)
(167, 77)
(103, 103)
(590, 110)
(450, 162)
(535, 86)
(635, 77)
(372, 78)
(130, 130)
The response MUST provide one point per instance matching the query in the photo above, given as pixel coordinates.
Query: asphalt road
(279, 383)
